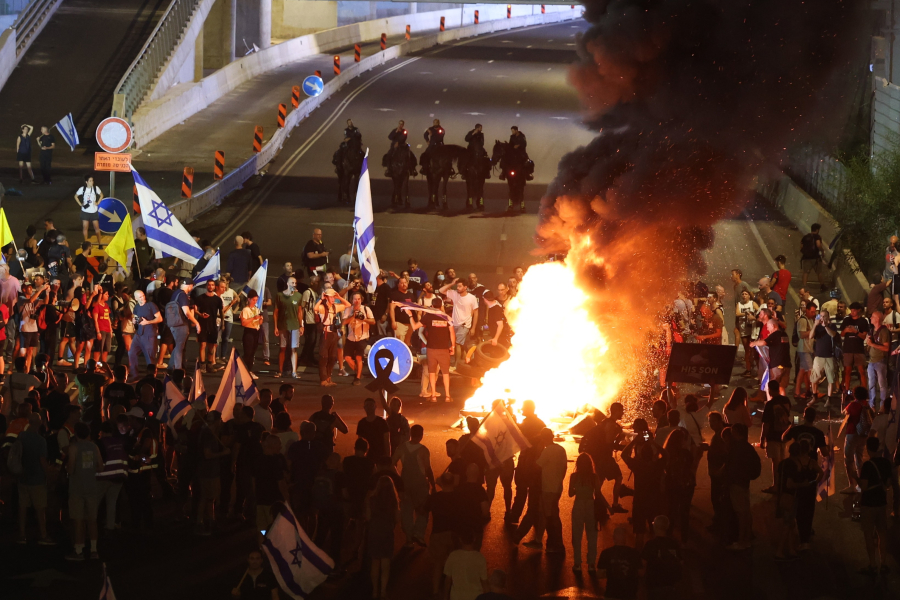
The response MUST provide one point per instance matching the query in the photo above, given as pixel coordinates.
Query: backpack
(14, 460)
(781, 419)
(808, 248)
(174, 314)
(323, 490)
(864, 425)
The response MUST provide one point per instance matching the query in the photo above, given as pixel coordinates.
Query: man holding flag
(364, 229)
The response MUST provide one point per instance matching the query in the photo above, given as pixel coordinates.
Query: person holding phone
(88, 198)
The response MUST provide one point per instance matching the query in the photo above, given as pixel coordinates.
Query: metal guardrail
(30, 22)
(153, 57)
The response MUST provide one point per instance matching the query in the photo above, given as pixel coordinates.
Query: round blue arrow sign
(111, 213)
(403, 359)
(313, 86)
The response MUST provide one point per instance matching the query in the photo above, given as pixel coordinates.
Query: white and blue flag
(237, 387)
(298, 564)
(499, 436)
(258, 283)
(211, 271)
(175, 406)
(66, 127)
(198, 390)
(165, 233)
(364, 229)
(107, 593)
(764, 366)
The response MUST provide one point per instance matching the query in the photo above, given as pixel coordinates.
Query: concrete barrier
(169, 107)
(801, 210)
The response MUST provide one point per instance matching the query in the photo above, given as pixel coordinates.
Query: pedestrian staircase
(144, 73)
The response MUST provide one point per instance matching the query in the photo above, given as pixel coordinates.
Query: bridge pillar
(293, 18)
(219, 34)
(265, 23)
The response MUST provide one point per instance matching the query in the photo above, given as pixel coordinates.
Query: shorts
(263, 516)
(462, 333)
(438, 357)
(208, 334)
(33, 495)
(804, 360)
(105, 342)
(29, 339)
(608, 469)
(775, 373)
(440, 545)
(402, 331)
(23, 158)
(854, 360)
(787, 508)
(3, 345)
(355, 349)
(873, 519)
(210, 488)
(822, 367)
(775, 450)
(83, 506)
(67, 329)
(90, 216)
(809, 264)
(740, 499)
(166, 337)
(289, 338)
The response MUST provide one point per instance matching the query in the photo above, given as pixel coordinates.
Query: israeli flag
(298, 564)
(211, 271)
(165, 233)
(107, 593)
(237, 387)
(175, 406)
(764, 367)
(499, 437)
(66, 127)
(258, 283)
(198, 390)
(364, 229)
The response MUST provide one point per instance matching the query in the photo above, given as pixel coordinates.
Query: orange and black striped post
(337, 65)
(295, 96)
(509, 11)
(407, 33)
(442, 23)
(282, 113)
(384, 41)
(318, 73)
(476, 17)
(135, 201)
(219, 165)
(257, 138)
(357, 51)
(543, 9)
(187, 182)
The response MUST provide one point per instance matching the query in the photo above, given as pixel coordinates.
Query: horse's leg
(404, 190)
(479, 192)
(520, 192)
(443, 184)
(470, 184)
(511, 192)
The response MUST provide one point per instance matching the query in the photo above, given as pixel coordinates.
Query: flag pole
(352, 248)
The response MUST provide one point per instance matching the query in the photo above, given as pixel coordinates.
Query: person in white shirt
(88, 198)
(465, 313)
(229, 300)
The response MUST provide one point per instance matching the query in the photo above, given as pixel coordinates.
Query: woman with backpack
(88, 198)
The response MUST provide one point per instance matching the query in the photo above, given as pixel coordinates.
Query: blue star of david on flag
(297, 553)
(167, 217)
(165, 233)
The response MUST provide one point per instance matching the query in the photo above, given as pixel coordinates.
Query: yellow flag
(6, 235)
(122, 242)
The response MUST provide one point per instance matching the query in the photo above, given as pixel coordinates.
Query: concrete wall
(8, 59)
(803, 211)
(293, 18)
(885, 115)
(180, 69)
(181, 100)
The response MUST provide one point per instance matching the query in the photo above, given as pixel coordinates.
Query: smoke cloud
(690, 98)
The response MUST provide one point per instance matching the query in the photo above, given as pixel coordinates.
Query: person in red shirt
(781, 279)
(103, 326)
(4, 317)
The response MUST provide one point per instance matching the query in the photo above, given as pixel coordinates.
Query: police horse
(516, 169)
(437, 166)
(401, 165)
(475, 168)
(347, 161)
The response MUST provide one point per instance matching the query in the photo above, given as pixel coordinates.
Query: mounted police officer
(517, 145)
(434, 135)
(398, 139)
(475, 140)
(352, 133)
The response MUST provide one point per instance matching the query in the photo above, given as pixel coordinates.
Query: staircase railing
(30, 22)
(153, 57)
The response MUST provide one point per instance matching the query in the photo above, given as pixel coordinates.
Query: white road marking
(528, 46)
(490, 61)
(475, 114)
(445, 89)
(437, 101)
(506, 42)
(550, 69)
(470, 70)
(518, 102)
(420, 145)
(384, 109)
(517, 114)
(502, 76)
(425, 73)
(560, 118)
(570, 44)
(291, 161)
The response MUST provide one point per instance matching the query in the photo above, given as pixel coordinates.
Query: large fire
(557, 357)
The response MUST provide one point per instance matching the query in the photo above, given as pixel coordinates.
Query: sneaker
(72, 556)
(94, 555)
(534, 544)
(617, 508)
(63, 363)
(592, 570)
(46, 542)
(769, 490)
(294, 375)
(356, 381)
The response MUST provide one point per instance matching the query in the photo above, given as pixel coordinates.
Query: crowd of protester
(75, 456)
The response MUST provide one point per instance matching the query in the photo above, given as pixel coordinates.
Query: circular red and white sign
(114, 134)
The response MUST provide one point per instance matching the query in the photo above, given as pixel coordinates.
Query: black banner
(701, 363)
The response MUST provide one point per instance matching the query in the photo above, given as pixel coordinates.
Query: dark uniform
(434, 136)
(518, 154)
(475, 141)
(398, 139)
(352, 133)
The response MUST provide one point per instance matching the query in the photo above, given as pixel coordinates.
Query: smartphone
(796, 419)
(646, 436)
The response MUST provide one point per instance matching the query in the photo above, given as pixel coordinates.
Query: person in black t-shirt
(118, 392)
(328, 422)
(808, 432)
(619, 565)
(440, 340)
(47, 143)
(270, 480)
(811, 250)
(208, 313)
(258, 582)
(498, 328)
(315, 256)
(358, 471)
(400, 319)
(664, 562)
(876, 475)
(824, 341)
(375, 431)
(854, 330)
(779, 353)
